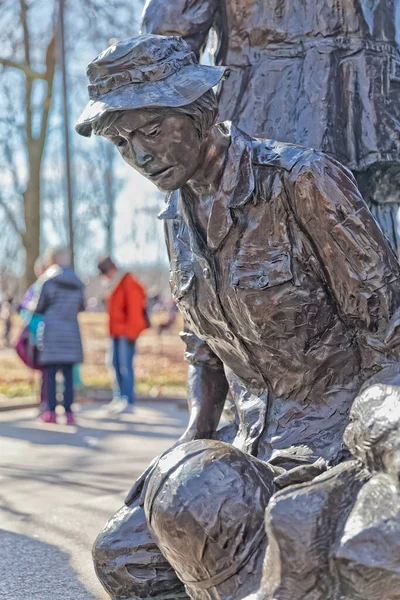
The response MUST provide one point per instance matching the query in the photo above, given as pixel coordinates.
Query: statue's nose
(140, 156)
(143, 159)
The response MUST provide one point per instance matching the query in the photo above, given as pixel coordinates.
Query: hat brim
(180, 89)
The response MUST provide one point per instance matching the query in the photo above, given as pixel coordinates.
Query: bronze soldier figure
(290, 293)
(321, 73)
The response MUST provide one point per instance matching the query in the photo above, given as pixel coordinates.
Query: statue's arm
(191, 19)
(360, 268)
(207, 388)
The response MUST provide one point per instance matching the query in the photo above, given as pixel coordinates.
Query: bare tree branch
(11, 217)
(29, 72)
(50, 70)
(28, 82)
(24, 23)
(9, 156)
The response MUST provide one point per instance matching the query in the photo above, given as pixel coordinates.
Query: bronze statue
(321, 73)
(358, 555)
(290, 295)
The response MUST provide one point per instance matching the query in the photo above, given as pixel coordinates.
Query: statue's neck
(213, 154)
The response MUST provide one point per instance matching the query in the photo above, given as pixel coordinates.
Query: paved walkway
(59, 485)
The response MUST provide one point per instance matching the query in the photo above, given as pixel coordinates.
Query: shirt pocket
(264, 296)
(267, 273)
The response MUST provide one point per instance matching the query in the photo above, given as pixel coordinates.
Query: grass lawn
(159, 365)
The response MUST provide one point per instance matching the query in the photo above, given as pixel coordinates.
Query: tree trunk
(31, 237)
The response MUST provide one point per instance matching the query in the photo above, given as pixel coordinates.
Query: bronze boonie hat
(145, 71)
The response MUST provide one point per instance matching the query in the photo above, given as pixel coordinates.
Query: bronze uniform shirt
(292, 293)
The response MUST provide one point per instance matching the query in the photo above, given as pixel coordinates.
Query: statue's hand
(139, 488)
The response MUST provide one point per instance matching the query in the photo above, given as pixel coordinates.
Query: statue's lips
(159, 173)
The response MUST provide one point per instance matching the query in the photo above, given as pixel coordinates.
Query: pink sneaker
(48, 417)
(70, 419)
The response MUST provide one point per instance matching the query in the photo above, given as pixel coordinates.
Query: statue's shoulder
(297, 160)
(271, 153)
(282, 155)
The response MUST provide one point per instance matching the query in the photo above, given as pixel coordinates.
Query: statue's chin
(171, 187)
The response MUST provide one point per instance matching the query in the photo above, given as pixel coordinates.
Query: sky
(137, 205)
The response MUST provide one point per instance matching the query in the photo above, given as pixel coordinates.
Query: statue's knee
(128, 562)
(205, 506)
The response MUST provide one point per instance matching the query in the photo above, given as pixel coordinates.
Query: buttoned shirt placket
(236, 187)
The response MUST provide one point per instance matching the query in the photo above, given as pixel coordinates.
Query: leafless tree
(36, 83)
(28, 88)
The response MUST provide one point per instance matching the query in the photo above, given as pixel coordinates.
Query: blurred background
(59, 189)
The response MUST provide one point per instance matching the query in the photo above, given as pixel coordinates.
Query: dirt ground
(159, 365)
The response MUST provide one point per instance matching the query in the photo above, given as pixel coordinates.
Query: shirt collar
(237, 183)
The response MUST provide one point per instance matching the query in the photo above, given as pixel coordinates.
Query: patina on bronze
(290, 296)
(321, 73)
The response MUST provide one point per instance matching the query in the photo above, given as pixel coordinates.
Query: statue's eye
(151, 131)
(120, 142)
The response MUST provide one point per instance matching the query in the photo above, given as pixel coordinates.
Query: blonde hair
(57, 256)
(39, 267)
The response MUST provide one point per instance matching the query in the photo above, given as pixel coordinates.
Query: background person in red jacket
(126, 307)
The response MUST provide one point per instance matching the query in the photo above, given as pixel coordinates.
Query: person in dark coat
(60, 301)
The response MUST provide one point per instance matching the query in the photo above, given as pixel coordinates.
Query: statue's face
(163, 147)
